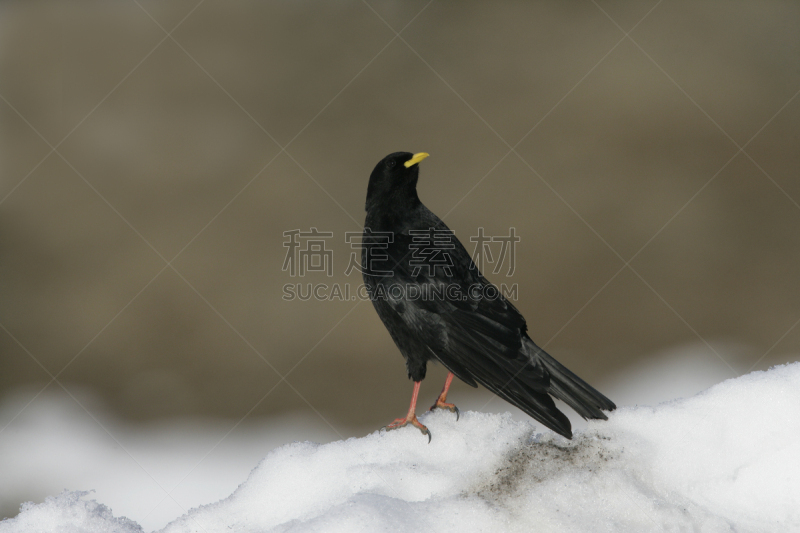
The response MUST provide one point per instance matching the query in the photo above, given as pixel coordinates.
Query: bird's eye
(391, 163)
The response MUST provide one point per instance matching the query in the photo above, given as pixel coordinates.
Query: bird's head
(394, 180)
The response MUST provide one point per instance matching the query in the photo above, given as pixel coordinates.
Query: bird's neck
(398, 201)
(393, 216)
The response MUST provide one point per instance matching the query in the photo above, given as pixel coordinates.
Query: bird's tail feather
(511, 378)
(537, 405)
(569, 388)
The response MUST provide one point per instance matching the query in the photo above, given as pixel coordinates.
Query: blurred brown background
(153, 153)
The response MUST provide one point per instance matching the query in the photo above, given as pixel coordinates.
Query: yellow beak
(416, 159)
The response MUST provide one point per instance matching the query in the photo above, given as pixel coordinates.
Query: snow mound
(723, 460)
(67, 512)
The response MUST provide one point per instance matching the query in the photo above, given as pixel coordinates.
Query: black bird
(437, 306)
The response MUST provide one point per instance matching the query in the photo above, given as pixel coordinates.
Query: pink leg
(411, 417)
(441, 400)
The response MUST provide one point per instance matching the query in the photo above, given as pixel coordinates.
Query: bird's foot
(440, 404)
(412, 419)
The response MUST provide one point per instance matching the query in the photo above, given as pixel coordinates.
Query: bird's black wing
(481, 339)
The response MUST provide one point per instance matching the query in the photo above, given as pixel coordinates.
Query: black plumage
(437, 306)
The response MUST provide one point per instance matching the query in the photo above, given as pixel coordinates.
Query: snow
(68, 513)
(151, 472)
(723, 460)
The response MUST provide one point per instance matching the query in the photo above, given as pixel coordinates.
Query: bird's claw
(449, 406)
(401, 422)
(425, 431)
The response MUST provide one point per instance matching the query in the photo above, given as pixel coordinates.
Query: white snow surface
(723, 460)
